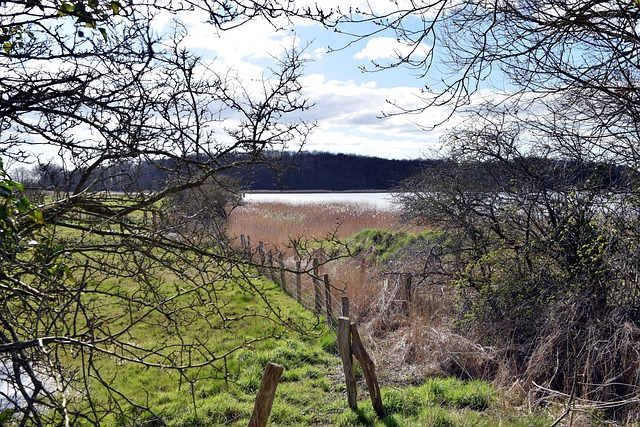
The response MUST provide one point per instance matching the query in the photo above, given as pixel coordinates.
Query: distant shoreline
(378, 199)
(314, 191)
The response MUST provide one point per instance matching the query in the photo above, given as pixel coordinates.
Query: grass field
(239, 341)
(311, 391)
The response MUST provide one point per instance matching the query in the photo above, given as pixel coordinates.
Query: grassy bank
(239, 342)
(311, 391)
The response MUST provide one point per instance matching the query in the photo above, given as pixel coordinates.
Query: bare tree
(578, 60)
(113, 106)
(542, 258)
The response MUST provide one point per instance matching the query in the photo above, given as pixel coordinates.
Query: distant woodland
(286, 171)
(319, 171)
(333, 172)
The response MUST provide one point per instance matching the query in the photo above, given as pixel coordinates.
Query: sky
(348, 103)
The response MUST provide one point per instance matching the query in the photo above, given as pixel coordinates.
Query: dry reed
(277, 223)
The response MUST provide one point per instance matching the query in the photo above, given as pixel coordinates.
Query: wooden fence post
(327, 300)
(243, 243)
(270, 259)
(249, 255)
(407, 287)
(298, 282)
(281, 267)
(344, 348)
(345, 306)
(266, 394)
(261, 252)
(368, 369)
(316, 287)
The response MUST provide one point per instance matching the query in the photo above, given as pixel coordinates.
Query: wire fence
(302, 279)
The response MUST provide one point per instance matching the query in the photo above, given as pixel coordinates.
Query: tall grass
(276, 224)
(410, 333)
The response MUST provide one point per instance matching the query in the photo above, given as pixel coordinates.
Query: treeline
(331, 172)
(285, 171)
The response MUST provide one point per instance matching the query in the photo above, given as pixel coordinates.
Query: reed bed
(276, 223)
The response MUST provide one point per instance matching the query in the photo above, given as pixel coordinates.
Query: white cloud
(255, 40)
(348, 116)
(390, 48)
(337, 141)
(318, 53)
(347, 111)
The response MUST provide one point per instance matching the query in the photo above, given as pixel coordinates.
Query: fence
(301, 279)
(319, 295)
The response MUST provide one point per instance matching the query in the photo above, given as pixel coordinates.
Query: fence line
(310, 294)
(301, 278)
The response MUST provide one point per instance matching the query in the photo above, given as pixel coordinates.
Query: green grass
(441, 402)
(311, 390)
(223, 393)
(383, 244)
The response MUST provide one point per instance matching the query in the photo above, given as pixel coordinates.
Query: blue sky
(348, 102)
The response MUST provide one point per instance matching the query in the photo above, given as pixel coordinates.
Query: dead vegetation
(276, 224)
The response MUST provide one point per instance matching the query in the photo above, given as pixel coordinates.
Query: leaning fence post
(316, 287)
(344, 348)
(266, 394)
(327, 300)
(368, 370)
(298, 282)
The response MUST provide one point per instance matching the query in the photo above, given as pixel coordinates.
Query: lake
(378, 200)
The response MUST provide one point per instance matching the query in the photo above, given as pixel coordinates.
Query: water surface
(377, 200)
